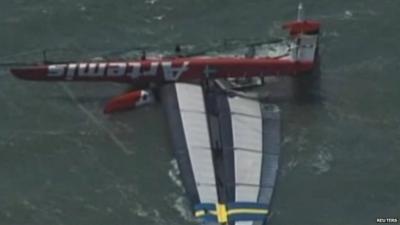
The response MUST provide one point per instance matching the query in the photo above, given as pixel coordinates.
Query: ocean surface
(63, 162)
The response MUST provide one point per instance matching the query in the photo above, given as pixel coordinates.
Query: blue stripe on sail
(249, 205)
(247, 217)
(209, 218)
(237, 211)
(203, 206)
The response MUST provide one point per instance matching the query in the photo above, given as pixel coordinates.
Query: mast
(300, 12)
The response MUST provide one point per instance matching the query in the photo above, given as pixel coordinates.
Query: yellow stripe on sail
(222, 213)
(199, 213)
(248, 211)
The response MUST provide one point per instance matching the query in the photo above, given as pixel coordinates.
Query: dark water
(63, 162)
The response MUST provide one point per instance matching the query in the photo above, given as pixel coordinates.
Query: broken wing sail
(227, 151)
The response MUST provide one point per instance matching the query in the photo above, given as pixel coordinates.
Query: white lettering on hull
(57, 70)
(133, 70)
(152, 71)
(173, 73)
(71, 71)
(116, 69)
(91, 69)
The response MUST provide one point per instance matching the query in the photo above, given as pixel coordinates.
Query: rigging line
(227, 43)
(96, 121)
(21, 54)
(39, 51)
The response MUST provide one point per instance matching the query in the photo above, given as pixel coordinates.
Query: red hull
(128, 101)
(178, 69)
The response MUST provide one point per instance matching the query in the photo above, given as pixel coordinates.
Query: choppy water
(63, 162)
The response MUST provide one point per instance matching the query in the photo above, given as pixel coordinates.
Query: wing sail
(184, 105)
(247, 142)
(227, 150)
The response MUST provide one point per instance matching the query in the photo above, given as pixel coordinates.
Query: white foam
(181, 205)
(178, 200)
(153, 215)
(322, 161)
(174, 174)
(348, 14)
(151, 2)
(82, 7)
(139, 211)
(292, 164)
(159, 18)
